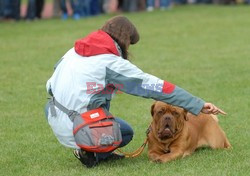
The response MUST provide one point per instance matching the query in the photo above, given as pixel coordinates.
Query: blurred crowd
(10, 9)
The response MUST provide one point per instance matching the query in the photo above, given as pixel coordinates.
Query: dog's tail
(215, 118)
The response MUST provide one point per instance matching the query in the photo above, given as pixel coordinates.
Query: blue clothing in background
(95, 7)
(10, 9)
(163, 3)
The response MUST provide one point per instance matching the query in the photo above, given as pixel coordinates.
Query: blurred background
(14, 10)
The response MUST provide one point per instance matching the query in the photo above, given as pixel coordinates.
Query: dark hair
(123, 32)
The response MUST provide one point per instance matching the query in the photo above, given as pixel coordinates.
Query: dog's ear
(152, 109)
(185, 114)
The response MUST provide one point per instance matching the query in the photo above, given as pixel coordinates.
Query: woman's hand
(210, 108)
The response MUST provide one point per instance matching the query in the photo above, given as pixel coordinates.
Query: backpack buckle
(72, 114)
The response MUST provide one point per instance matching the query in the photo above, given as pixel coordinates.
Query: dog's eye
(176, 114)
(159, 113)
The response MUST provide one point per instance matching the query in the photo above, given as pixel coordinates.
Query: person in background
(141, 5)
(110, 6)
(56, 8)
(95, 7)
(10, 9)
(39, 8)
(164, 4)
(75, 7)
(84, 7)
(129, 6)
(34, 9)
(181, 2)
(203, 1)
(1, 8)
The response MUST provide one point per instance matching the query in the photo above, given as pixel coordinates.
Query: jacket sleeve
(128, 78)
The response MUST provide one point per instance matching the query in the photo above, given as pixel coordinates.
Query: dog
(175, 133)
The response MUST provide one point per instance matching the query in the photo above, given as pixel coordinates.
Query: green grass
(204, 49)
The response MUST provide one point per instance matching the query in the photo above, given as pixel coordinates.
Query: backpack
(95, 130)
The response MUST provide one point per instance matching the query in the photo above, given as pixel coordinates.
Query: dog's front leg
(154, 154)
(172, 155)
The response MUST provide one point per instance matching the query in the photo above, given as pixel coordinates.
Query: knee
(126, 129)
(126, 139)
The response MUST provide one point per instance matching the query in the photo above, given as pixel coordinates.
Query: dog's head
(167, 120)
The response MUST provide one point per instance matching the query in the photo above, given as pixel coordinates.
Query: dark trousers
(1, 8)
(10, 9)
(76, 6)
(34, 9)
(39, 8)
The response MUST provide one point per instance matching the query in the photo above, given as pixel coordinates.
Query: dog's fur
(175, 133)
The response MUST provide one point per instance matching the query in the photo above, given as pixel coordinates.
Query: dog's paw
(158, 160)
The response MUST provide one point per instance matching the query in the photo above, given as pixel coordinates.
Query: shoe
(114, 156)
(64, 16)
(87, 158)
(76, 16)
(150, 9)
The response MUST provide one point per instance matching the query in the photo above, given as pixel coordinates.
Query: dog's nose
(167, 118)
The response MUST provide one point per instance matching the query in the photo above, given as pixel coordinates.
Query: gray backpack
(95, 130)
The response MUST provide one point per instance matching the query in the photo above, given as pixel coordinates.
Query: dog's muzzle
(165, 133)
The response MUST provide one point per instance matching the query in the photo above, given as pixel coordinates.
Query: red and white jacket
(89, 75)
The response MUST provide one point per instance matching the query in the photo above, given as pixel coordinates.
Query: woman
(92, 71)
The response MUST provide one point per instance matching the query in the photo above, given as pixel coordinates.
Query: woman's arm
(128, 78)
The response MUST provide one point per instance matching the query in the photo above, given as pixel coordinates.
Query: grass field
(204, 49)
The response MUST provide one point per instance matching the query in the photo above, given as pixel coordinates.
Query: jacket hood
(98, 42)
